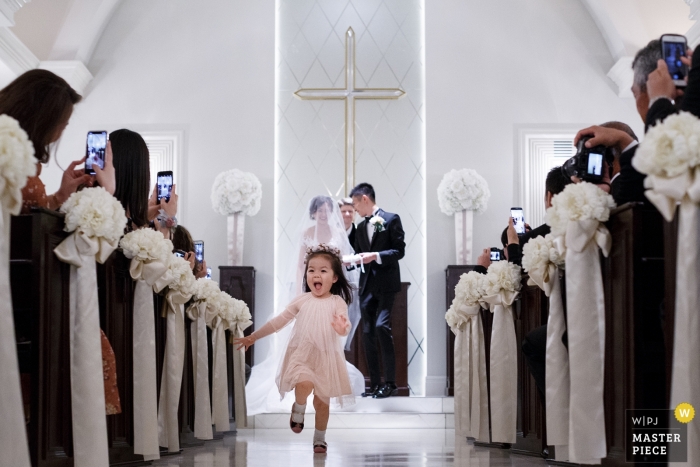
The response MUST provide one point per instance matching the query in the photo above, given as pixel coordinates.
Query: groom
(380, 242)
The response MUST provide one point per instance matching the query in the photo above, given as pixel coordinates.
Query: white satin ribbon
(557, 385)
(471, 394)
(200, 352)
(13, 432)
(586, 337)
(236, 229)
(239, 400)
(171, 381)
(220, 412)
(685, 379)
(148, 276)
(87, 380)
(464, 226)
(504, 367)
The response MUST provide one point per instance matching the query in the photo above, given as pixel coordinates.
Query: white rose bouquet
(235, 191)
(539, 252)
(467, 294)
(670, 148)
(96, 213)
(147, 245)
(205, 289)
(578, 202)
(183, 278)
(17, 162)
(501, 276)
(462, 190)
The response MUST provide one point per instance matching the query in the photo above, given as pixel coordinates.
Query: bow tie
(368, 218)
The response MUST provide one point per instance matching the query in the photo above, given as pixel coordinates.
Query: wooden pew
(40, 299)
(399, 330)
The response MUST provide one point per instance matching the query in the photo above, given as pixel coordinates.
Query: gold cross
(349, 93)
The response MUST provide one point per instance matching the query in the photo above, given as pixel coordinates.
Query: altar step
(393, 413)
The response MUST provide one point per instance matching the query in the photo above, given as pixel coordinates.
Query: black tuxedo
(351, 235)
(378, 287)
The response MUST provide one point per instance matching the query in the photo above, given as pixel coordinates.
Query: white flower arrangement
(501, 276)
(183, 278)
(205, 289)
(17, 162)
(378, 223)
(670, 148)
(96, 213)
(539, 252)
(578, 202)
(462, 190)
(454, 320)
(147, 245)
(235, 191)
(469, 288)
(233, 310)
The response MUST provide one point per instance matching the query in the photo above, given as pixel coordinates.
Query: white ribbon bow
(239, 400)
(471, 394)
(171, 381)
(665, 193)
(200, 360)
(13, 432)
(586, 338)
(220, 411)
(504, 367)
(87, 380)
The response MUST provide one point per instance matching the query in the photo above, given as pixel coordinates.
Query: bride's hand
(244, 342)
(340, 324)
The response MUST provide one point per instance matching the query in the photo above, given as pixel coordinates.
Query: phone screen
(495, 255)
(199, 250)
(95, 150)
(208, 273)
(179, 253)
(518, 220)
(595, 164)
(673, 51)
(165, 185)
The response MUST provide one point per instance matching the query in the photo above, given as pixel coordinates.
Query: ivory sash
(236, 230)
(685, 379)
(220, 412)
(87, 381)
(13, 433)
(556, 362)
(200, 351)
(504, 368)
(239, 401)
(171, 381)
(586, 336)
(148, 276)
(464, 226)
(471, 394)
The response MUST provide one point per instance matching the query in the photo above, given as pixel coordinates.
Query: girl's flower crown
(322, 248)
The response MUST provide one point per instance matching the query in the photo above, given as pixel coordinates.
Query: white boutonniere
(378, 223)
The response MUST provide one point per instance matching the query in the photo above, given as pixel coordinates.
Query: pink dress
(314, 352)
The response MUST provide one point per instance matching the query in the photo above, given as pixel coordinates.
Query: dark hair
(341, 287)
(622, 127)
(41, 102)
(132, 173)
(363, 189)
(645, 61)
(504, 238)
(319, 201)
(556, 181)
(182, 240)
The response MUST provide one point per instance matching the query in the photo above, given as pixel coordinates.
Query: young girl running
(314, 360)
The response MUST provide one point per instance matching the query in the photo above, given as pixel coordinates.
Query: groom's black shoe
(371, 393)
(388, 389)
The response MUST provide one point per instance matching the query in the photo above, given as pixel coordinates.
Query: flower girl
(314, 359)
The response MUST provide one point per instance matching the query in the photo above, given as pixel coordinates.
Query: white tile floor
(346, 448)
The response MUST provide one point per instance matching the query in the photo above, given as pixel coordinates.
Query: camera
(587, 164)
(496, 254)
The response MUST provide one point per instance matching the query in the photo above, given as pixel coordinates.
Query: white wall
(210, 71)
(175, 64)
(492, 66)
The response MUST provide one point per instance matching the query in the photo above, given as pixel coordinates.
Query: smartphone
(164, 181)
(179, 253)
(495, 254)
(199, 250)
(95, 148)
(518, 220)
(673, 47)
(208, 273)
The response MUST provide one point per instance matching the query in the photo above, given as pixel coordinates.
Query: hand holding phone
(673, 49)
(518, 220)
(164, 185)
(495, 254)
(199, 250)
(95, 148)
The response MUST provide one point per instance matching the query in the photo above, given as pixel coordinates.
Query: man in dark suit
(347, 211)
(380, 241)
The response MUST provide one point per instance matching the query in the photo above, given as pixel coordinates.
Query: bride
(321, 223)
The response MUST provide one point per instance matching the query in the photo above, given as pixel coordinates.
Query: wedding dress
(321, 223)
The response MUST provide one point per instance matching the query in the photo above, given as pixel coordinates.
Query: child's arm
(341, 323)
(274, 325)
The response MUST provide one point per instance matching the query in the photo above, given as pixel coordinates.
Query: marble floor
(346, 448)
